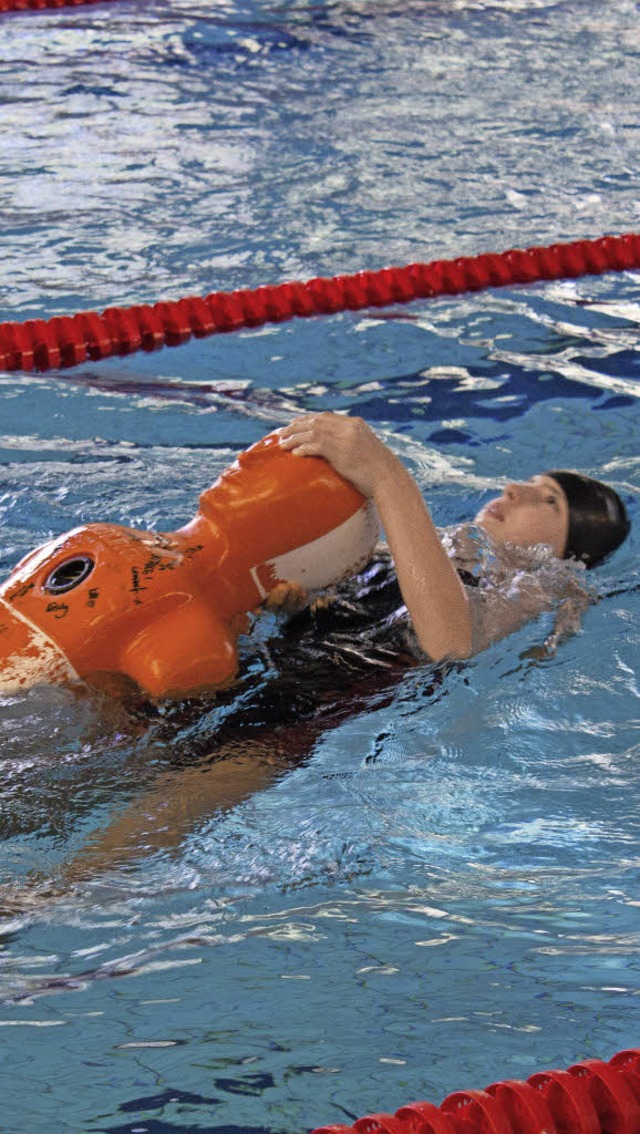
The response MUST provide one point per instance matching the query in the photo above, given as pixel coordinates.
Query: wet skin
(529, 512)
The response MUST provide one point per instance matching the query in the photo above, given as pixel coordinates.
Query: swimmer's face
(529, 512)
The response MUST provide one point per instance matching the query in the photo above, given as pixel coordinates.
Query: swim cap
(598, 521)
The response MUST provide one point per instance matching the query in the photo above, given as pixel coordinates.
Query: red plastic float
(629, 1062)
(615, 1102)
(34, 5)
(590, 1098)
(69, 340)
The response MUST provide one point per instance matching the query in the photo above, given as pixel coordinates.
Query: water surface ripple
(441, 890)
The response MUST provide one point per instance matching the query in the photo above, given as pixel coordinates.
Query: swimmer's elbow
(444, 630)
(463, 653)
(450, 655)
(449, 647)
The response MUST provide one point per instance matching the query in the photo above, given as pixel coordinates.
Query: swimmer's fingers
(333, 436)
(348, 443)
(286, 598)
(304, 447)
(303, 420)
(301, 437)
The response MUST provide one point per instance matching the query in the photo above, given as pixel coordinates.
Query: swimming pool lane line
(592, 1097)
(37, 5)
(68, 340)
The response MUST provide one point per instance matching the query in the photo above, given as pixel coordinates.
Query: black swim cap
(598, 521)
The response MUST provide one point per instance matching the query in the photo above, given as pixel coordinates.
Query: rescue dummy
(110, 606)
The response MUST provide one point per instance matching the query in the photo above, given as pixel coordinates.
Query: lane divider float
(38, 5)
(68, 340)
(592, 1097)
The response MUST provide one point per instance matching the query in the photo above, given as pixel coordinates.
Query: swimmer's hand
(347, 443)
(286, 598)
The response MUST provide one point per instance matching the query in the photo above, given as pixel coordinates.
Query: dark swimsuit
(340, 655)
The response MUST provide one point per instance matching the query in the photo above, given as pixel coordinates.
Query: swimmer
(574, 518)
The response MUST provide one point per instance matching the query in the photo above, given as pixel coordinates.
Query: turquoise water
(442, 890)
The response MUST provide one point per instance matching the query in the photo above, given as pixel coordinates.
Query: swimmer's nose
(517, 491)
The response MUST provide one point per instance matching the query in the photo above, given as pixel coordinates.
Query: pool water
(441, 890)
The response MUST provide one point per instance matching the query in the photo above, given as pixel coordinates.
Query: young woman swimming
(467, 588)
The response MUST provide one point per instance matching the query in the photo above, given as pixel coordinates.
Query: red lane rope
(590, 1098)
(26, 5)
(70, 340)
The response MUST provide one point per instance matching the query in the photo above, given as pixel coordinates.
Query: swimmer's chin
(491, 524)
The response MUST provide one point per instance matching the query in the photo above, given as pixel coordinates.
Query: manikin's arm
(432, 591)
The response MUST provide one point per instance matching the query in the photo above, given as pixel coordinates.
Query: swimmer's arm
(431, 589)
(568, 619)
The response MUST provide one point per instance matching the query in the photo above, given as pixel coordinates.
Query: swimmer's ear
(185, 652)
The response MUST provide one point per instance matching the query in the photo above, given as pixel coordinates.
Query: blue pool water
(442, 890)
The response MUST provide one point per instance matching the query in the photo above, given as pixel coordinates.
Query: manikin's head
(577, 516)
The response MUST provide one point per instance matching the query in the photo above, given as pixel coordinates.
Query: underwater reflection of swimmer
(432, 599)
